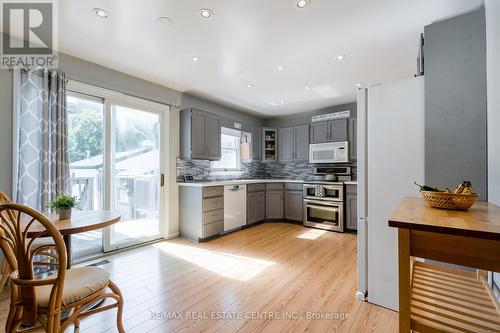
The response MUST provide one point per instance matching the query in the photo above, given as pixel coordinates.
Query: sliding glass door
(136, 177)
(86, 164)
(116, 163)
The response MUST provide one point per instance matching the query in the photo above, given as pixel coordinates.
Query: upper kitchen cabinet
(212, 137)
(256, 143)
(353, 134)
(294, 144)
(319, 132)
(338, 130)
(286, 144)
(200, 135)
(301, 143)
(270, 145)
(329, 131)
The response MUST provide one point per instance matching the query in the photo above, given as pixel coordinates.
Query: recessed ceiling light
(340, 57)
(273, 103)
(206, 13)
(302, 3)
(280, 68)
(282, 102)
(165, 20)
(358, 85)
(101, 13)
(249, 85)
(307, 88)
(195, 59)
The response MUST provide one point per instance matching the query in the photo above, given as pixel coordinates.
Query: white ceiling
(245, 41)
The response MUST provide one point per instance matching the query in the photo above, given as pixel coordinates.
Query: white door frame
(116, 98)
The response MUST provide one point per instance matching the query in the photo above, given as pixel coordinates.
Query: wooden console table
(433, 298)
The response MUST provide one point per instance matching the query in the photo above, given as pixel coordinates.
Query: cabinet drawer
(213, 191)
(294, 186)
(213, 229)
(213, 203)
(256, 187)
(274, 186)
(212, 216)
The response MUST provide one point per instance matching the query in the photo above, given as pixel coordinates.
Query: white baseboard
(174, 235)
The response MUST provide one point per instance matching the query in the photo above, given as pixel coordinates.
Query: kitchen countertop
(259, 181)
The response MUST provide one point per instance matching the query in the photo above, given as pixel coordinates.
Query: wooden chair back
(4, 198)
(16, 242)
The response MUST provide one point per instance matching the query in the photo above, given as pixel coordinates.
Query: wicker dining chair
(5, 270)
(45, 254)
(40, 300)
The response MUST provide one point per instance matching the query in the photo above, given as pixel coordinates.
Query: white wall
(493, 74)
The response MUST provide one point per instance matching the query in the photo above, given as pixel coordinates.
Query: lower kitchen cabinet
(293, 201)
(351, 203)
(293, 205)
(256, 203)
(201, 212)
(274, 201)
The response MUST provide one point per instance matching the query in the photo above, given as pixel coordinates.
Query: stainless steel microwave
(329, 152)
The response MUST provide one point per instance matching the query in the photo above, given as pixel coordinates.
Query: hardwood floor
(247, 281)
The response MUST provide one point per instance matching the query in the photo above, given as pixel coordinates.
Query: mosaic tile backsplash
(200, 169)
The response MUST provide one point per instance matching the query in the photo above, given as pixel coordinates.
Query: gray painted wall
(6, 131)
(229, 115)
(493, 65)
(87, 72)
(455, 102)
(305, 118)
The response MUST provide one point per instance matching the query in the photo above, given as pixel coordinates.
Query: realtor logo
(28, 39)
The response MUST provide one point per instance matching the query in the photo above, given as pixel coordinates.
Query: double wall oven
(324, 206)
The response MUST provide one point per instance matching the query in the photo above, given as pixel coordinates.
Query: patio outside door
(136, 180)
(118, 148)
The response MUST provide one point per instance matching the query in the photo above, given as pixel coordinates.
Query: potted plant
(63, 205)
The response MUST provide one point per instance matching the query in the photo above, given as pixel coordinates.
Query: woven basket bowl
(451, 201)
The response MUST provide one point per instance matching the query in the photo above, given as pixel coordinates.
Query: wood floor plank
(260, 275)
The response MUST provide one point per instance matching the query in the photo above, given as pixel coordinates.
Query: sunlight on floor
(224, 264)
(312, 234)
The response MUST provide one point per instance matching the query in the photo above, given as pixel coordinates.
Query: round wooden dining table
(81, 221)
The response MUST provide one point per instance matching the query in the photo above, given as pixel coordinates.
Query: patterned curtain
(40, 164)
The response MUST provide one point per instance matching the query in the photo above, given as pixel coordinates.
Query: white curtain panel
(40, 161)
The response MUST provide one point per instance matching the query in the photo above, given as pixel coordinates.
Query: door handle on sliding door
(162, 180)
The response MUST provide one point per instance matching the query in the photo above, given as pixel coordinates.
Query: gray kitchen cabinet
(301, 143)
(251, 208)
(274, 201)
(293, 202)
(213, 137)
(274, 205)
(256, 203)
(200, 135)
(329, 131)
(269, 145)
(353, 134)
(294, 144)
(338, 130)
(197, 135)
(256, 144)
(319, 132)
(256, 207)
(201, 212)
(351, 203)
(286, 144)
